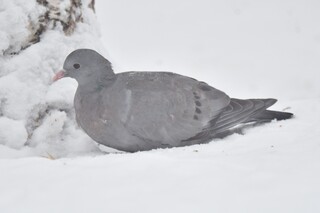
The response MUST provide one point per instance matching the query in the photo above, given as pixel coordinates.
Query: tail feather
(239, 111)
(238, 115)
(268, 115)
(243, 113)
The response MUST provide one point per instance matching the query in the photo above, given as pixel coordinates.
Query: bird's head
(85, 66)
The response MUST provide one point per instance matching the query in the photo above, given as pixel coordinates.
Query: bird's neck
(97, 84)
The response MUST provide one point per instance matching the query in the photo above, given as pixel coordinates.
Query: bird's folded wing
(171, 108)
(237, 112)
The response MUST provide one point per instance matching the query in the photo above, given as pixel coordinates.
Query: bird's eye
(76, 66)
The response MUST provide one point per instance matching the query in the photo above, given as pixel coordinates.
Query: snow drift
(36, 115)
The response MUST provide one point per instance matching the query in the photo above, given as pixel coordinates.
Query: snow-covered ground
(247, 48)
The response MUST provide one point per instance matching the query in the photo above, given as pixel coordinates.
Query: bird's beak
(59, 75)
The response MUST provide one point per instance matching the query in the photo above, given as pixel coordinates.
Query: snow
(27, 95)
(248, 49)
(16, 140)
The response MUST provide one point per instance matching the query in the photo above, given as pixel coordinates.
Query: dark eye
(76, 66)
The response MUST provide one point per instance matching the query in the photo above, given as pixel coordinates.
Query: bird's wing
(168, 108)
(238, 112)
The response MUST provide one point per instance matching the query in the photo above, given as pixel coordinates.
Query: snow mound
(36, 115)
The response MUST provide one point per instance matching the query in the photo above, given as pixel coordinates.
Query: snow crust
(249, 49)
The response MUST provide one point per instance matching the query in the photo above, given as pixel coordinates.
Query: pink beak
(59, 75)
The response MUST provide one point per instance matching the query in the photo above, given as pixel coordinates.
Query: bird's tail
(244, 113)
(268, 115)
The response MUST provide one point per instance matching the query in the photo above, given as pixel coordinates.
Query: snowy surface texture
(37, 117)
(249, 49)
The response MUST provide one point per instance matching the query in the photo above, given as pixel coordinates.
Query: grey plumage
(136, 111)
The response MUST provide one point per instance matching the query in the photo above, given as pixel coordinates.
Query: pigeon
(140, 111)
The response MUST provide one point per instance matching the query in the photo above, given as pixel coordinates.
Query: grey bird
(138, 111)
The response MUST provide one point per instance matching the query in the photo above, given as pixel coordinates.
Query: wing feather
(170, 108)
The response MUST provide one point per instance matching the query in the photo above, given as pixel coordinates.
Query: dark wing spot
(198, 110)
(195, 117)
(198, 103)
(196, 95)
